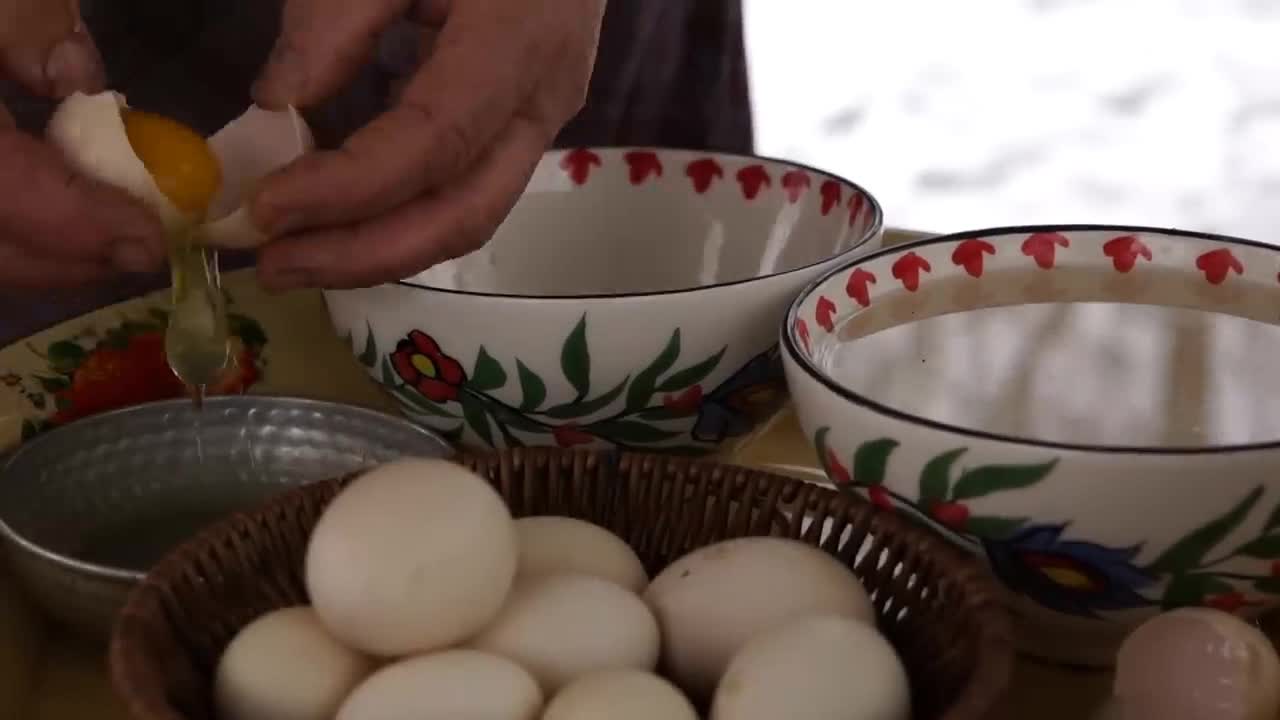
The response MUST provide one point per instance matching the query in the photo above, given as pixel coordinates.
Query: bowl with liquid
(1090, 408)
(88, 508)
(630, 300)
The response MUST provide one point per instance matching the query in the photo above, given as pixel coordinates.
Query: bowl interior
(623, 221)
(116, 491)
(1085, 337)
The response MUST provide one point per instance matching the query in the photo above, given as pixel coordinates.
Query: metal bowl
(87, 509)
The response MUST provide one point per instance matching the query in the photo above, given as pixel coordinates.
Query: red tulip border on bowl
(1011, 500)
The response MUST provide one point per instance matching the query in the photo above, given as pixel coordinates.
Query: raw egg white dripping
(197, 188)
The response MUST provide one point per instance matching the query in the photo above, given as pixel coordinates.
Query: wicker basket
(954, 635)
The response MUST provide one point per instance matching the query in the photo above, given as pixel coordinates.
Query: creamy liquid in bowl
(1099, 373)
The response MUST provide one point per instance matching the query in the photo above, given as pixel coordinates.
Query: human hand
(58, 229)
(432, 178)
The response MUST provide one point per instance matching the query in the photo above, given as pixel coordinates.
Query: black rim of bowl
(802, 361)
(872, 230)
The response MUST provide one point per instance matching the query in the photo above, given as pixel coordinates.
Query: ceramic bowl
(631, 300)
(86, 509)
(1090, 408)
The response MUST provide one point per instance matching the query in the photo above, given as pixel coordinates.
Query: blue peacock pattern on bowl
(1044, 562)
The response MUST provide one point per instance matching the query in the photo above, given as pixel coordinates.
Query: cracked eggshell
(249, 148)
(89, 131)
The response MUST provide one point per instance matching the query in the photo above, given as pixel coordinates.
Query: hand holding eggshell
(57, 228)
(60, 229)
(433, 177)
(94, 134)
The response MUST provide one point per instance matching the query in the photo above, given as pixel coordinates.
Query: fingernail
(134, 257)
(283, 80)
(74, 65)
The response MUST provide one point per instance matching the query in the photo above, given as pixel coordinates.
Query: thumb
(45, 47)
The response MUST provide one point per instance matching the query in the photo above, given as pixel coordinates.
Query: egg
(1198, 664)
(561, 627)
(551, 545)
(815, 668)
(260, 674)
(413, 556)
(711, 601)
(449, 685)
(103, 138)
(620, 695)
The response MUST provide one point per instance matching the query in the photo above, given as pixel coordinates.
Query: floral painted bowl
(1092, 409)
(630, 300)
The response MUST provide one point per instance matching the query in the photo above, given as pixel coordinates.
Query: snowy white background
(973, 113)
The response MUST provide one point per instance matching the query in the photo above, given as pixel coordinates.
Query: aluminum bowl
(86, 509)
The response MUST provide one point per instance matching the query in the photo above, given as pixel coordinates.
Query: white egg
(552, 545)
(620, 695)
(1198, 664)
(415, 555)
(815, 668)
(450, 685)
(710, 602)
(286, 666)
(90, 132)
(249, 148)
(561, 627)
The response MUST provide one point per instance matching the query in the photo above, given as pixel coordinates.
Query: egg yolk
(178, 158)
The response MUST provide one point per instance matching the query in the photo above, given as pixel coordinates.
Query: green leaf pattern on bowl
(662, 405)
(1042, 561)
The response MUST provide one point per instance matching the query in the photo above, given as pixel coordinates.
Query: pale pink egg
(1197, 664)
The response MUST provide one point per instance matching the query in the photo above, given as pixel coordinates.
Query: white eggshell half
(286, 666)
(710, 602)
(248, 149)
(620, 695)
(561, 627)
(552, 545)
(90, 133)
(415, 555)
(827, 667)
(1198, 664)
(446, 686)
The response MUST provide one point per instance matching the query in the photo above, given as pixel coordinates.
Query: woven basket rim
(982, 597)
